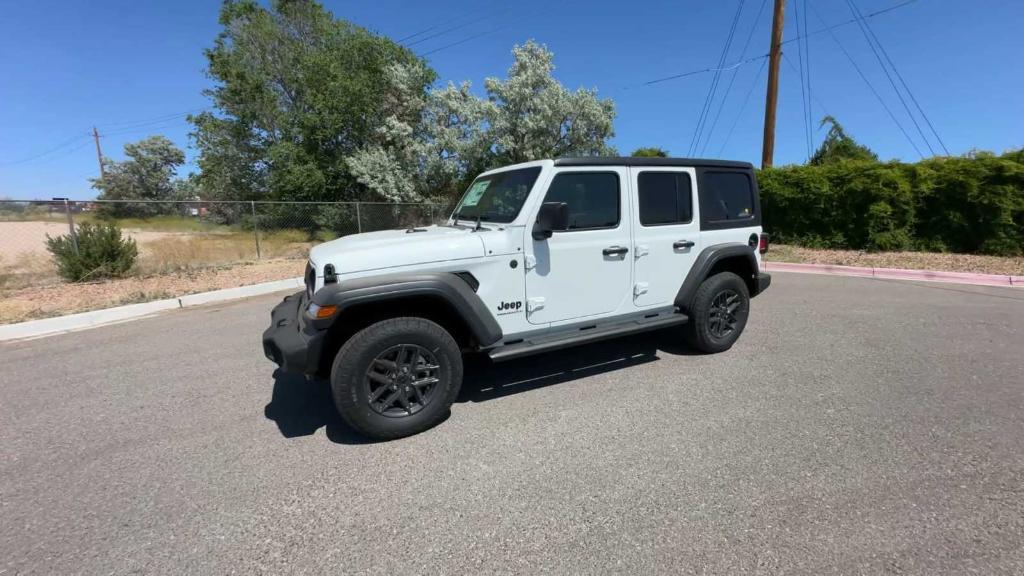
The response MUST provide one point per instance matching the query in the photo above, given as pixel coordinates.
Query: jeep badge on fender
(610, 247)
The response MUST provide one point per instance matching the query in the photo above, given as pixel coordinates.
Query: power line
(746, 99)
(702, 118)
(756, 58)
(490, 31)
(452, 29)
(735, 71)
(803, 85)
(49, 151)
(440, 24)
(900, 77)
(868, 82)
(892, 82)
(810, 93)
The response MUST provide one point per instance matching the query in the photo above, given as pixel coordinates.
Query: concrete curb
(899, 274)
(86, 320)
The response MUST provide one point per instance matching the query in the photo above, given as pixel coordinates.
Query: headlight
(320, 312)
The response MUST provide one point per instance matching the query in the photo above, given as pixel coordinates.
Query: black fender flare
(705, 261)
(447, 286)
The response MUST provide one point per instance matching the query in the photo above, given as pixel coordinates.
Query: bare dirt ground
(1010, 266)
(20, 239)
(59, 299)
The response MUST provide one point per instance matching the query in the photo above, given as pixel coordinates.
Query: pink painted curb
(899, 274)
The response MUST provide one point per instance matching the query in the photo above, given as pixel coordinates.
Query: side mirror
(552, 216)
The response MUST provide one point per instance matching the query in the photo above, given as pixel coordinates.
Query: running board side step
(584, 335)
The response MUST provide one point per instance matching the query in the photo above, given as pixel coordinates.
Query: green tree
(296, 93)
(533, 116)
(650, 152)
(433, 142)
(146, 174)
(839, 146)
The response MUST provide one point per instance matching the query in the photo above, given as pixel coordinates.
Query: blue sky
(134, 67)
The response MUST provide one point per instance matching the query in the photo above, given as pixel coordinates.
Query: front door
(584, 270)
(666, 232)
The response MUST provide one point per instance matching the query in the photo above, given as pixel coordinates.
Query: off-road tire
(702, 332)
(349, 373)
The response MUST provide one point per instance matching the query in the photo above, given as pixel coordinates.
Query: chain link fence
(191, 235)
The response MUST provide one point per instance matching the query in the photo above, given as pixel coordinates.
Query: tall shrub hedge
(969, 204)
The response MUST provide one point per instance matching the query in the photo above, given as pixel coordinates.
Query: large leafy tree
(839, 146)
(146, 174)
(296, 93)
(650, 152)
(433, 142)
(534, 116)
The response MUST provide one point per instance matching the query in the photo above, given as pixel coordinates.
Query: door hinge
(534, 304)
(639, 288)
(531, 261)
(641, 250)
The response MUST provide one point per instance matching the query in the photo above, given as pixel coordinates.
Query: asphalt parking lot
(859, 426)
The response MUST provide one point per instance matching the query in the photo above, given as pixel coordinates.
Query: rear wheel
(396, 377)
(718, 313)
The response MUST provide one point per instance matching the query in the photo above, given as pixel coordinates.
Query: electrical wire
(705, 109)
(492, 30)
(746, 99)
(441, 24)
(803, 84)
(900, 77)
(756, 58)
(888, 76)
(735, 71)
(49, 151)
(868, 83)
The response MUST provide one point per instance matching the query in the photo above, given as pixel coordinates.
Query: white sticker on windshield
(475, 192)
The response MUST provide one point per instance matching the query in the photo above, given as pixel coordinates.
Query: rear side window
(726, 197)
(664, 198)
(593, 198)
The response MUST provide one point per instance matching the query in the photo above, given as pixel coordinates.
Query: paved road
(859, 426)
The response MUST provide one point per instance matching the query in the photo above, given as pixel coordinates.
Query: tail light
(762, 243)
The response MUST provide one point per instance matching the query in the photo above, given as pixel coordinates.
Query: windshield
(497, 197)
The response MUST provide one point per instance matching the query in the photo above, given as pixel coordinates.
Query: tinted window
(498, 197)
(593, 198)
(665, 198)
(726, 196)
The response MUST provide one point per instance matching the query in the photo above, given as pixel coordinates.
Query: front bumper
(290, 342)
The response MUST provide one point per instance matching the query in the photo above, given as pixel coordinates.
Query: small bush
(102, 253)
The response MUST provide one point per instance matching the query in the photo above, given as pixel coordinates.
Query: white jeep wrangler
(536, 257)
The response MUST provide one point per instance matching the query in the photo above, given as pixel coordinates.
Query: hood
(392, 248)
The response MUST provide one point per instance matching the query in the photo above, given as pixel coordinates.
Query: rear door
(582, 271)
(666, 237)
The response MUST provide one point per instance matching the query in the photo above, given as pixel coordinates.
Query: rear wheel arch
(729, 257)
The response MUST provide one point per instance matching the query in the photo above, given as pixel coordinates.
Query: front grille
(310, 277)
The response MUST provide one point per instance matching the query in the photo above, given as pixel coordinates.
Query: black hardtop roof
(643, 161)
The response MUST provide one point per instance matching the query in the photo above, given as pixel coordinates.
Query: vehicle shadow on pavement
(301, 406)
(485, 380)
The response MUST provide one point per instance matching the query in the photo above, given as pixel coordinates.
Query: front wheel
(718, 313)
(396, 377)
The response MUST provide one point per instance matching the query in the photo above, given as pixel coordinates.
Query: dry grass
(1010, 266)
(58, 299)
(198, 251)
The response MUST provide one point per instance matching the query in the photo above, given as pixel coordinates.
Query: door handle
(682, 244)
(615, 251)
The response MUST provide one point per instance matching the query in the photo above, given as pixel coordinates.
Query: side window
(593, 198)
(665, 198)
(726, 196)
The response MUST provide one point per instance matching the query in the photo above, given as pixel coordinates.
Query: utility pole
(99, 153)
(771, 98)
